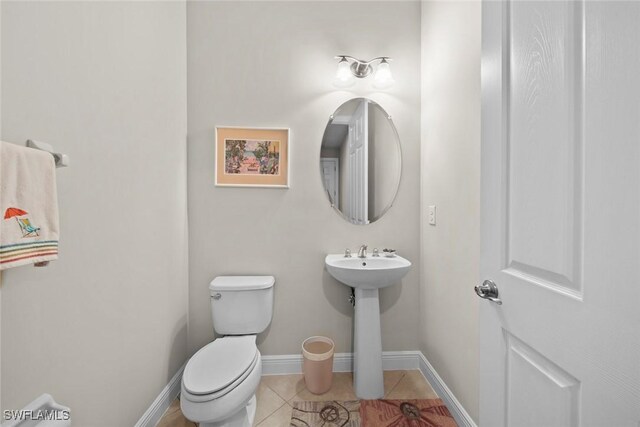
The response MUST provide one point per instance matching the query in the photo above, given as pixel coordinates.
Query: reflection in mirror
(360, 161)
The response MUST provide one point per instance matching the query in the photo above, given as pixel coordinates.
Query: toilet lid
(218, 364)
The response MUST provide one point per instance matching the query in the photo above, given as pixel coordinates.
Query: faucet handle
(375, 252)
(347, 253)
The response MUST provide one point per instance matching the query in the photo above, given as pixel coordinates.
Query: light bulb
(344, 77)
(383, 79)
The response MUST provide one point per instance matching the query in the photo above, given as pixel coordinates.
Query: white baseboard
(159, 406)
(342, 362)
(455, 407)
(400, 360)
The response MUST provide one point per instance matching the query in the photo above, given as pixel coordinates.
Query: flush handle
(488, 290)
(217, 296)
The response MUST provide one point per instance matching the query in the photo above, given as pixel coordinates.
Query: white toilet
(220, 381)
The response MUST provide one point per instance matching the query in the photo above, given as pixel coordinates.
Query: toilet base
(242, 418)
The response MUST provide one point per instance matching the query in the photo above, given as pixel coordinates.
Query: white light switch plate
(432, 214)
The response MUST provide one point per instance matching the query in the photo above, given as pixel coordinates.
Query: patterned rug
(326, 414)
(372, 413)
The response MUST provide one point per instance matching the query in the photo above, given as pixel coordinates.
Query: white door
(561, 214)
(358, 171)
(331, 177)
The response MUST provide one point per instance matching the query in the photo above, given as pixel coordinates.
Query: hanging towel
(28, 206)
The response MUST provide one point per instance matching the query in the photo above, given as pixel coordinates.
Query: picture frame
(252, 157)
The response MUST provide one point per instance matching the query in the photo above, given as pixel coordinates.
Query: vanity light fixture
(350, 68)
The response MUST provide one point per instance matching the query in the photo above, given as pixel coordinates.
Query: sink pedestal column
(367, 346)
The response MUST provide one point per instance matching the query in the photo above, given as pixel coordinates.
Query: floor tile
(412, 386)
(268, 402)
(341, 389)
(279, 418)
(391, 379)
(173, 417)
(277, 393)
(286, 386)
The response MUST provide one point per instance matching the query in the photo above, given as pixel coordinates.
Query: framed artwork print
(252, 157)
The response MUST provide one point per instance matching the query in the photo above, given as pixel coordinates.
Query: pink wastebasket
(317, 364)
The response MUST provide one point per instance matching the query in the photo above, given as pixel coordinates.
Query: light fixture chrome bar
(351, 58)
(360, 68)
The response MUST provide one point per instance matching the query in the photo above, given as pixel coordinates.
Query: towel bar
(62, 160)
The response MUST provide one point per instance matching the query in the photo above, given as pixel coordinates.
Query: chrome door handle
(488, 290)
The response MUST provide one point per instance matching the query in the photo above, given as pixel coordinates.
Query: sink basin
(367, 276)
(367, 273)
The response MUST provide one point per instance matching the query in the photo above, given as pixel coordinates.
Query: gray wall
(271, 64)
(103, 329)
(450, 176)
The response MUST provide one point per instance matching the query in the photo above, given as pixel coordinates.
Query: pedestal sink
(367, 276)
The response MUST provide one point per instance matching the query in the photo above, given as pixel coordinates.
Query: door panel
(544, 144)
(539, 392)
(561, 214)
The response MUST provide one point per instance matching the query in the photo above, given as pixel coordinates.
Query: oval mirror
(360, 161)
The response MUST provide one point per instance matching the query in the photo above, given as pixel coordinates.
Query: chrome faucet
(362, 252)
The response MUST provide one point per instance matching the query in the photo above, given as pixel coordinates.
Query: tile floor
(277, 393)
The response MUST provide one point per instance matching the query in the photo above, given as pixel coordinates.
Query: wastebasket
(317, 364)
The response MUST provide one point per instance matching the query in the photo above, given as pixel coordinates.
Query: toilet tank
(241, 305)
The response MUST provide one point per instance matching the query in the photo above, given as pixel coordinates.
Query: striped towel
(28, 207)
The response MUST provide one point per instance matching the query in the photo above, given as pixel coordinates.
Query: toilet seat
(220, 366)
(209, 411)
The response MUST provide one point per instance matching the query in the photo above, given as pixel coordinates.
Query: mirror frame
(399, 162)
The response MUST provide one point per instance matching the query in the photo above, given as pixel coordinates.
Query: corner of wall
(1, 407)
(421, 338)
(450, 176)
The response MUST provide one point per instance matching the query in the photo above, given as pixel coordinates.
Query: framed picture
(252, 157)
